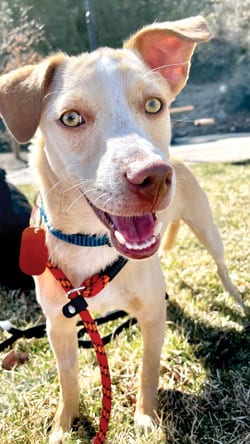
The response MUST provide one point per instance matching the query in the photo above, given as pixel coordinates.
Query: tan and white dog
(102, 167)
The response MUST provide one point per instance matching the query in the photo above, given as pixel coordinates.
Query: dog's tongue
(135, 229)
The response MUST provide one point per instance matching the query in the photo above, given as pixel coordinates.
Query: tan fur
(22, 93)
(118, 160)
(170, 236)
(191, 206)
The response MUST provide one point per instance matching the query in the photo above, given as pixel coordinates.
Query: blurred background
(219, 84)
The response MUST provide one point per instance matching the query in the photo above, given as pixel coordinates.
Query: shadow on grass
(221, 412)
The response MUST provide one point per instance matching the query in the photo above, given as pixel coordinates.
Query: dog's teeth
(119, 236)
(151, 241)
(146, 244)
(129, 246)
(157, 229)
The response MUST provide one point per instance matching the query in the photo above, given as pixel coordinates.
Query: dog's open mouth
(136, 237)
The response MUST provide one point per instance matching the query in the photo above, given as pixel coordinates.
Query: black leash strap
(34, 332)
(39, 331)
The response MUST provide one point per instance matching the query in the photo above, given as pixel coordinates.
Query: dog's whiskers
(50, 94)
(109, 198)
(150, 73)
(82, 193)
(101, 196)
(78, 185)
(170, 64)
(152, 76)
(52, 188)
(80, 196)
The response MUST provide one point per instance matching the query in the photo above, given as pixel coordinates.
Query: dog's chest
(78, 262)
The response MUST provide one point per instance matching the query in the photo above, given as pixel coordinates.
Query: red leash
(92, 331)
(77, 305)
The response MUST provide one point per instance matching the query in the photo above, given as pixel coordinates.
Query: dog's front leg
(152, 323)
(63, 338)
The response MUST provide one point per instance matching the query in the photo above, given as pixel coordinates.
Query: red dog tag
(33, 252)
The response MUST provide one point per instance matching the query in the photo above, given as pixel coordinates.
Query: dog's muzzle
(137, 236)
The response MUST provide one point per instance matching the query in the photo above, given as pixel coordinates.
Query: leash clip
(76, 304)
(75, 290)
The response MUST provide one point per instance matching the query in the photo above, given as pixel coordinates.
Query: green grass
(204, 390)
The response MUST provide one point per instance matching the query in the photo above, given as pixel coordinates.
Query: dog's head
(105, 121)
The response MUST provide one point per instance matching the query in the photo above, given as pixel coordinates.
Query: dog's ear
(168, 47)
(21, 96)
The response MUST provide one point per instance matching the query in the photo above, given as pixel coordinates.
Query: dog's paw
(149, 427)
(147, 424)
(57, 437)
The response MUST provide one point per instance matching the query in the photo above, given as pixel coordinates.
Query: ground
(209, 102)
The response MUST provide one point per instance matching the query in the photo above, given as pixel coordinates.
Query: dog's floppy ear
(168, 47)
(21, 96)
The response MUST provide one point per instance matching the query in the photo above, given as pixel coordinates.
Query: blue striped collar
(83, 240)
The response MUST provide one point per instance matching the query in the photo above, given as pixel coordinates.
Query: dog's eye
(153, 105)
(71, 118)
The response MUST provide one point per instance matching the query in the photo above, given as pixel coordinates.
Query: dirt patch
(209, 101)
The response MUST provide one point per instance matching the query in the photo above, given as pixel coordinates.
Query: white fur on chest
(79, 262)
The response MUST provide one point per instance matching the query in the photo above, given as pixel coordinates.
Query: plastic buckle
(75, 305)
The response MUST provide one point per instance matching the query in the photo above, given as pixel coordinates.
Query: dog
(190, 205)
(102, 167)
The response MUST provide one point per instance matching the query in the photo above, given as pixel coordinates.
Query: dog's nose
(152, 181)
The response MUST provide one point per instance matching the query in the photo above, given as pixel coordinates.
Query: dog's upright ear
(168, 47)
(21, 96)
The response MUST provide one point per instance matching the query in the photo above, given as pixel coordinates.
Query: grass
(204, 393)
